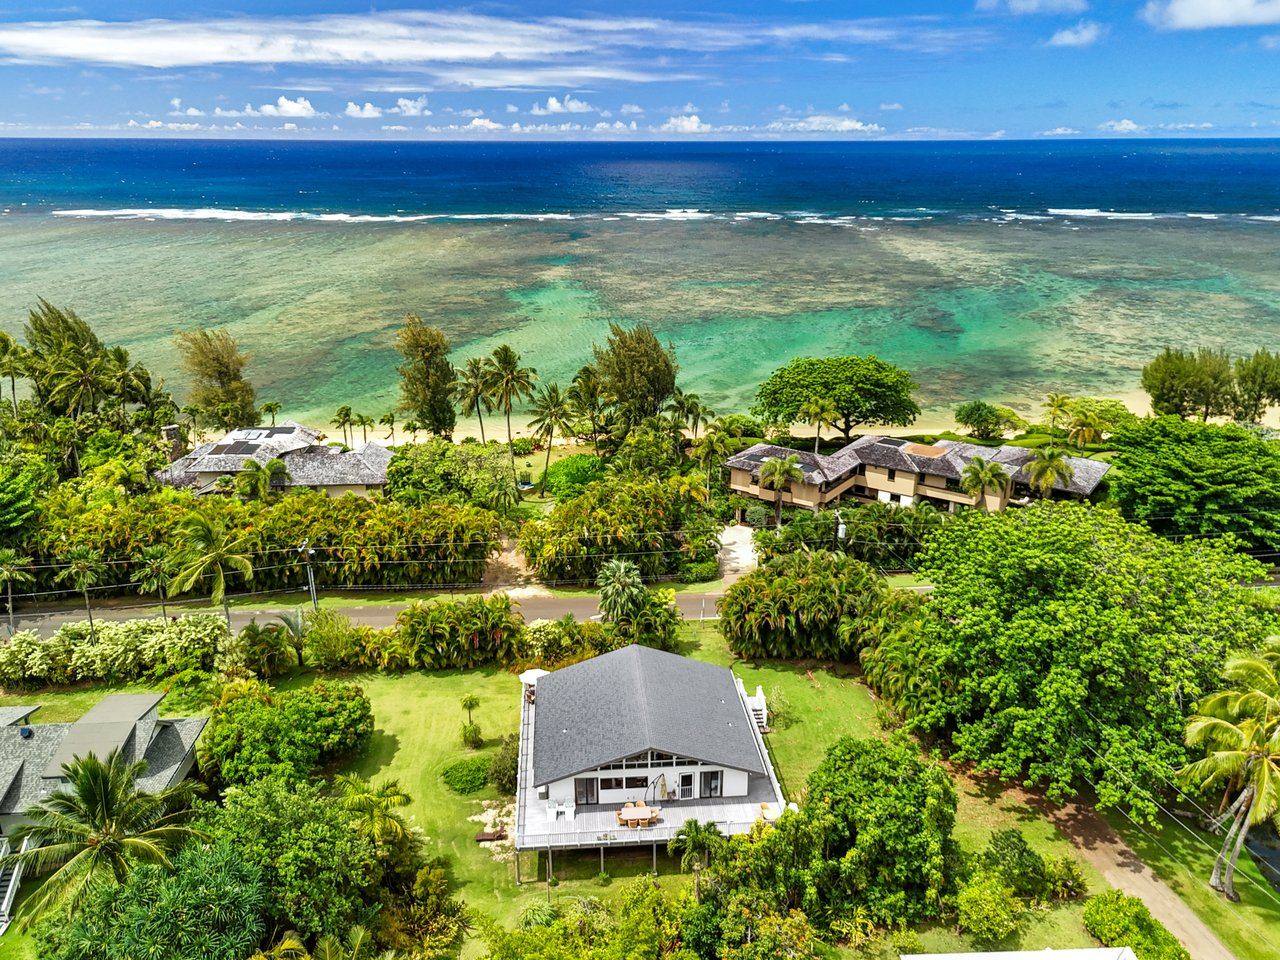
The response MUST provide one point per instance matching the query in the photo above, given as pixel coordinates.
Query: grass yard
(1251, 928)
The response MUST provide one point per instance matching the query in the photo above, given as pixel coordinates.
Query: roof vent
(26, 733)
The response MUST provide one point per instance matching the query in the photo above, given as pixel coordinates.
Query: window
(711, 783)
(613, 783)
(633, 783)
(584, 790)
(892, 473)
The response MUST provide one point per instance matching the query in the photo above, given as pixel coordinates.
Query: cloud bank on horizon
(738, 69)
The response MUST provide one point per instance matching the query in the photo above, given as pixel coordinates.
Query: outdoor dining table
(636, 814)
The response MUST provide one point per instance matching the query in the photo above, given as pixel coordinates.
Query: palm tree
(695, 842)
(207, 549)
(508, 384)
(388, 420)
(412, 427)
(14, 568)
(776, 475)
(83, 567)
(359, 945)
(980, 476)
(12, 365)
(818, 413)
(1240, 731)
(587, 399)
(622, 592)
(472, 390)
(1049, 466)
(295, 628)
(469, 702)
(255, 480)
(78, 380)
(711, 448)
(364, 423)
(1056, 405)
(551, 416)
(94, 829)
(1086, 428)
(342, 419)
(155, 571)
(374, 808)
(270, 409)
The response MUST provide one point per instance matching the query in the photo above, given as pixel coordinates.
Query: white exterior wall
(733, 783)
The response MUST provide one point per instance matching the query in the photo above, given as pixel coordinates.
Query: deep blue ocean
(178, 178)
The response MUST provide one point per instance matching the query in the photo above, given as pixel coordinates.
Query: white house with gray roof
(32, 756)
(642, 728)
(310, 461)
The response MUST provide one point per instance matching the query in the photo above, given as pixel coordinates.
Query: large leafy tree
(636, 371)
(215, 366)
(1183, 478)
(983, 420)
(865, 390)
(1257, 385)
(1189, 383)
(426, 376)
(96, 829)
(1239, 729)
(1069, 644)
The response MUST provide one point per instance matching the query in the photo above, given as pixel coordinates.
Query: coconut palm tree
(374, 808)
(508, 384)
(472, 390)
(388, 420)
(551, 416)
(95, 828)
(1049, 466)
(694, 842)
(1058, 407)
(255, 480)
(1086, 428)
(207, 549)
(359, 945)
(83, 568)
(412, 427)
(587, 399)
(818, 413)
(622, 592)
(364, 423)
(342, 419)
(14, 568)
(980, 476)
(777, 474)
(270, 409)
(79, 380)
(1239, 729)
(155, 571)
(11, 365)
(294, 626)
(712, 448)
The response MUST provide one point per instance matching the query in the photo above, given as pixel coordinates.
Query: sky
(654, 70)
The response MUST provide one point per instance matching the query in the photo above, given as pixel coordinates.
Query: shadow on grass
(621, 863)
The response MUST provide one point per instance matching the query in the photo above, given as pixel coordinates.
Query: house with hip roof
(639, 729)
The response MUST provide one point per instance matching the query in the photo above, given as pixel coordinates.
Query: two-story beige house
(903, 472)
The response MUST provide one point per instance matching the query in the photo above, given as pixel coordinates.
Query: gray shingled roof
(333, 466)
(14, 715)
(637, 699)
(107, 726)
(892, 453)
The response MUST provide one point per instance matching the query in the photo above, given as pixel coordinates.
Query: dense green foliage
(208, 908)
(569, 476)
(1063, 646)
(504, 766)
(1208, 383)
(465, 634)
(636, 371)
(803, 604)
(863, 389)
(426, 376)
(1121, 921)
(468, 775)
(984, 420)
(219, 390)
(256, 732)
(988, 908)
(1183, 478)
(319, 874)
(439, 471)
(886, 536)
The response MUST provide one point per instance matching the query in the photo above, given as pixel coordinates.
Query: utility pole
(304, 549)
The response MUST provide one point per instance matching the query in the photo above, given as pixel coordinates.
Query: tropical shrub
(209, 907)
(439, 471)
(125, 650)
(523, 446)
(1123, 921)
(988, 908)
(331, 640)
(1063, 644)
(703, 571)
(470, 775)
(570, 475)
(886, 536)
(463, 634)
(801, 605)
(256, 732)
(551, 643)
(504, 766)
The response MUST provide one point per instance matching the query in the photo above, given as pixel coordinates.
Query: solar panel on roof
(892, 442)
(220, 448)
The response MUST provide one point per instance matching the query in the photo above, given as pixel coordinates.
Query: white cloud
(468, 112)
(1184, 126)
(823, 123)
(689, 123)
(394, 127)
(367, 112)
(569, 104)
(161, 125)
(1121, 126)
(687, 108)
(843, 108)
(512, 108)
(483, 123)
(417, 107)
(1020, 7)
(288, 126)
(178, 110)
(616, 126)
(890, 106)
(1200, 14)
(284, 107)
(1083, 34)
(1058, 132)
(630, 108)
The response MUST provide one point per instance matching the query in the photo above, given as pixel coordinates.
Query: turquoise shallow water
(1004, 311)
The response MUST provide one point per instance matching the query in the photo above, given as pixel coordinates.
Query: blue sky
(752, 69)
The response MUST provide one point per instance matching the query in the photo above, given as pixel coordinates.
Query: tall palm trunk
(1235, 814)
(164, 610)
(13, 393)
(480, 417)
(777, 508)
(542, 492)
(817, 438)
(1243, 820)
(93, 636)
(9, 587)
(512, 450)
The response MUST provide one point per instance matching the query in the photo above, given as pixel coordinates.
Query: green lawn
(1250, 928)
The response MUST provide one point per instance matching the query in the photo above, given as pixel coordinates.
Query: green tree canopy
(982, 419)
(1186, 383)
(636, 371)
(865, 390)
(1067, 645)
(426, 376)
(1183, 478)
(215, 365)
